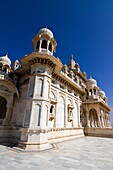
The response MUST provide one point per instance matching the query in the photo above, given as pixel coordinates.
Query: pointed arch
(10, 86)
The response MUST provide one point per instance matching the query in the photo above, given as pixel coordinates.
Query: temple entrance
(3, 109)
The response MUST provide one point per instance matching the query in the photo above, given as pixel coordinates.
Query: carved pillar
(109, 124)
(54, 125)
(65, 111)
(98, 115)
(40, 45)
(101, 119)
(52, 49)
(98, 125)
(57, 96)
(48, 42)
(78, 111)
(107, 120)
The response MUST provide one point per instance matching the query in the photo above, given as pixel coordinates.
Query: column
(78, 112)
(57, 97)
(40, 45)
(98, 125)
(98, 115)
(102, 119)
(48, 45)
(87, 118)
(65, 111)
(52, 48)
(46, 88)
(109, 124)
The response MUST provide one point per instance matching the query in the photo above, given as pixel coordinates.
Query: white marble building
(41, 99)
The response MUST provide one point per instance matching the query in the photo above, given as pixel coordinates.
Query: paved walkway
(87, 153)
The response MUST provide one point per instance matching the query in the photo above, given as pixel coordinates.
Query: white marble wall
(64, 98)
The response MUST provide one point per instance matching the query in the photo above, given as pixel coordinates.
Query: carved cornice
(42, 61)
(64, 80)
(101, 103)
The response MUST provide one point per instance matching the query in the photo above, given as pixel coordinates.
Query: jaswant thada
(43, 101)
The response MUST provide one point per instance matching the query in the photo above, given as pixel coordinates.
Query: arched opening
(44, 44)
(38, 44)
(1, 65)
(5, 70)
(95, 91)
(3, 109)
(90, 92)
(93, 118)
(50, 47)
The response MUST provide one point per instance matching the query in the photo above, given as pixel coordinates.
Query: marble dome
(5, 60)
(101, 93)
(92, 81)
(46, 31)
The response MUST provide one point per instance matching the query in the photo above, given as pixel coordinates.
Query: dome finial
(71, 57)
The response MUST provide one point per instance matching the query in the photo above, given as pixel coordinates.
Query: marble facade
(42, 99)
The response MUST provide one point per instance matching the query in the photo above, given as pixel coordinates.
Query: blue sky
(83, 28)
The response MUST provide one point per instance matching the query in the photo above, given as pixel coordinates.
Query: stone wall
(99, 132)
(9, 135)
(63, 133)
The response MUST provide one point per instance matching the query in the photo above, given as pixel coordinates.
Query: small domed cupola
(44, 42)
(91, 82)
(102, 94)
(92, 86)
(5, 63)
